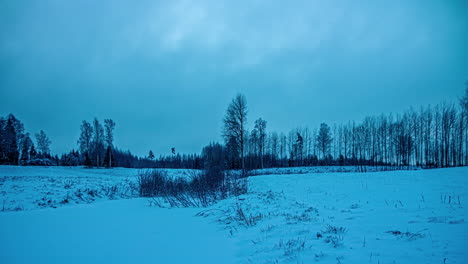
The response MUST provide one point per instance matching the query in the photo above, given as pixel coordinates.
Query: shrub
(39, 162)
(202, 189)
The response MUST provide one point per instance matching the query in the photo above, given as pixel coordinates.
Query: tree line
(431, 136)
(16, 145)
(95, 149)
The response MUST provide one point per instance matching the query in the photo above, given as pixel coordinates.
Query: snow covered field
(379, 217)
(25, 188)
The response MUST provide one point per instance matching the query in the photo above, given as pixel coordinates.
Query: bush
(202, 189)
(152, 183)
(39, 162)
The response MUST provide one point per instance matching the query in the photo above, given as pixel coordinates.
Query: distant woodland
(429, 137)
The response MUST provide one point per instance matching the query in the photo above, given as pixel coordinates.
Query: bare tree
(464, 121)
(274, 143)
(98, 141)
(260, 126)
(43, 142)
(85, 139)
(324, 139)
(234, 130)
(109, 137)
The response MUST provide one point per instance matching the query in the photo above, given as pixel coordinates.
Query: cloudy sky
(165, 71)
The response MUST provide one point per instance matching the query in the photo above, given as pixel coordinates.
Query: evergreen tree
(32, 152)
(2, 141)
(11, 143)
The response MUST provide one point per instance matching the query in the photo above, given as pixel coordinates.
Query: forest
(429, 137)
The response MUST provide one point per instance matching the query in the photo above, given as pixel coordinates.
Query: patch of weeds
(450, 199)
(294, 219)
(407, 235)
(291, 246)
(306, 216)
(332, 235)
(93, 193)
(18, 208)
(110, 191)
(247, 219)
(68, 184)
(454, 222)
(335, 241)
(159, 202)
(334, 230)
(267, 228)
(312, 210)
(319, 256)
(270, 196)
(46, 202)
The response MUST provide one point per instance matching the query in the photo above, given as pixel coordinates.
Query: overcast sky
(165, 71)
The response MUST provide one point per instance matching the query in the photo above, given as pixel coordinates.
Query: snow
(416, 216)
(26, 188)
(291, 214)
(125, 231)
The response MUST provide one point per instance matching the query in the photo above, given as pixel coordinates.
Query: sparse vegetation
(333, 235)
(200, 190)
(407, 235)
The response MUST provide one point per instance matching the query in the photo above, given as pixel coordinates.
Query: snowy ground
(26, 188)
(379, 217)
(125, 231)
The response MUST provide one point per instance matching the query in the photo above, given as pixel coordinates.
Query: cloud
(252, 31)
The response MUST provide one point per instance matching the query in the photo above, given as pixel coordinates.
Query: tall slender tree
(43, 143)
(234, 130)
(260, 126)
(10, 142)
(324, 139)
(109, 138)
(98, 141)
(85, 140)
(26, 146)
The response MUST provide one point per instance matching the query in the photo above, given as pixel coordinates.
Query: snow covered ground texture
(379, 217)
(26, 188)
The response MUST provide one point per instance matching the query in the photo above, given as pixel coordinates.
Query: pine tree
(32, 152)
(2, 141)
(151, 155)
(11, 143)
